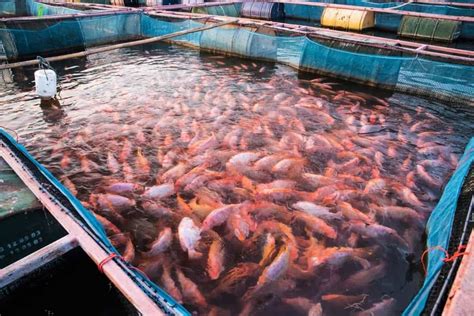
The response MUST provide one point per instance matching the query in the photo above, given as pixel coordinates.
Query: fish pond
(243, 187)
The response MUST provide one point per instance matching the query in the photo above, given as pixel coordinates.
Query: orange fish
(190, 290)
(215, 259)
(142, 164)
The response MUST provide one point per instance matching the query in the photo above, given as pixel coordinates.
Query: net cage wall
(444, 229)
(409, 73)
(28, 39)
(34, 8)
(387, 68)
(7, 7)
(436, 9)
(383, 21)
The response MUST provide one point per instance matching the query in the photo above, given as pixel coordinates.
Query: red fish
(190, 290)
(215, 259)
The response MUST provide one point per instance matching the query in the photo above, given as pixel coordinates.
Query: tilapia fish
(280, 195)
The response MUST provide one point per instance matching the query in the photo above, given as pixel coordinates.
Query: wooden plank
(30, 263)
(462, 290)
(112, 270)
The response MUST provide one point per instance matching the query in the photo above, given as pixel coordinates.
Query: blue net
(387, 21)
(223, 10)
(51, 37)
(376, 67)
(99, 30)
(46, 38)
(439, 228)
(436, 9)
(367, 3)
(367, 68)
(7, 7)
(467, 30)
(39, 9)
(296, 11)
(447, 81)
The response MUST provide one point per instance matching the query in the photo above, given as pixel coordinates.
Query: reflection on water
(241, 186)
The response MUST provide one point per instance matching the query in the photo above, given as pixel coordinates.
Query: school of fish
(289, 196)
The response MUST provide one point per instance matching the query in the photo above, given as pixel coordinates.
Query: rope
(447, 258)
(106, 259)
(457, 254)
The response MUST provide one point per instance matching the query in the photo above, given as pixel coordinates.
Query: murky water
(241, 187)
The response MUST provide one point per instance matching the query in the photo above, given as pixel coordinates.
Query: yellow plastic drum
(347, 19)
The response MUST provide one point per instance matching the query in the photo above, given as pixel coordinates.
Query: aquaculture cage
(52, 35)
(394, 65)
(357, 60)
(424, 22)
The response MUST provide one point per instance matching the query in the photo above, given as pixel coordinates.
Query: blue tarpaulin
(439, 229)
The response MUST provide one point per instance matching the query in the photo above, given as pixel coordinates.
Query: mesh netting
(7, 7)
(415, 74)
(439, 228)
(99, 30)
(45, 37)
(223, 10)
(309, 13)
(39, 9)
(436, 9)
(363, 3)
(51, 37)
(382, 68)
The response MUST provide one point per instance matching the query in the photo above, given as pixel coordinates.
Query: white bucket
(45, 83)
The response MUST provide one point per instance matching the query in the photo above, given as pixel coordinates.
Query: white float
(45, 83)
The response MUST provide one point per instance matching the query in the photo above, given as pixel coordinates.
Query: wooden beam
(462, 290)
(30, 263)
(112, 270)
